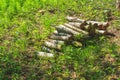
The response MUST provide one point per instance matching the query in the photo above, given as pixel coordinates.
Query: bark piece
(45, 54)
(65, 29)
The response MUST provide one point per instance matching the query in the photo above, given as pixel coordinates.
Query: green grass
(23, 28)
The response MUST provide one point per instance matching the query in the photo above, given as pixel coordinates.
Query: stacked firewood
(66, 32)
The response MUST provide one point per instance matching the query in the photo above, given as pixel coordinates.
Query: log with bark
(89, 28)
(58, 33)
(75, 19)
(52, 45)
(45, 54)
(56, 41)
(98, 25)
(64, 29)
(75, 29)
(77, 24)
(63, 38)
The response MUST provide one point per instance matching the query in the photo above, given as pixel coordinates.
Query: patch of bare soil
(115, 38)
(116, 35)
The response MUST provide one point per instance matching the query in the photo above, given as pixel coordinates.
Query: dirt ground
(115, 38)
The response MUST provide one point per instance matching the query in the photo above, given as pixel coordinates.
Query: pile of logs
(66, 32)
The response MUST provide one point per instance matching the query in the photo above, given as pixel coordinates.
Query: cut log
(89, 28)
(63, 38)
(56, 41)
(92, 31)
(45, 54)
(52, 45)
(65, 29)
(76, 29)
(75, 19)
(60, 34)
(77, 24)
(99, 25)
(103, 27)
